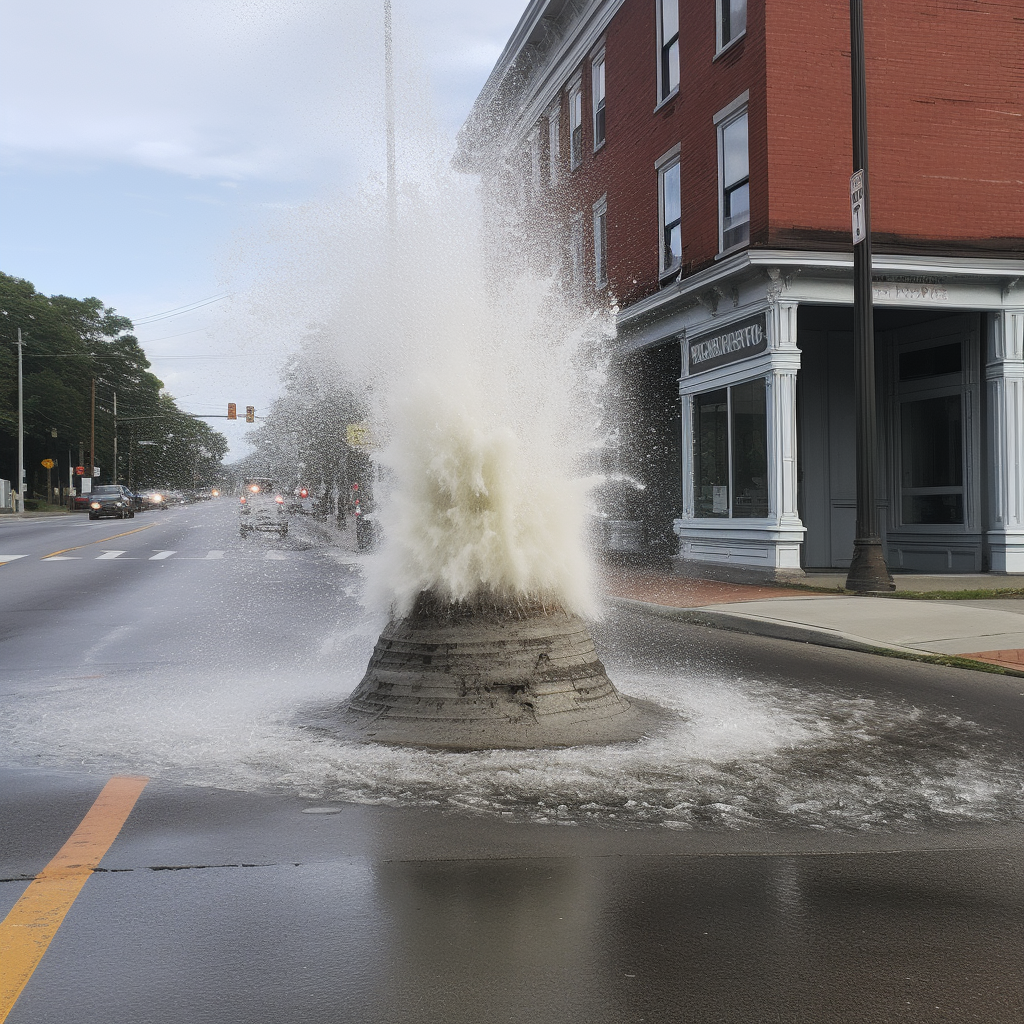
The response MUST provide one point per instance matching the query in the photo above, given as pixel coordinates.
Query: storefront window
(711, 455)
(932, 455)
(730, 437)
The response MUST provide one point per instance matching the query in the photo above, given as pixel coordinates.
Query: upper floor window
(576, 249)
(670, 209)
(601, 242)
(597, 74)
(575, 126)
(668, 45)
(554, 130)
(733, 175)
(732, 21)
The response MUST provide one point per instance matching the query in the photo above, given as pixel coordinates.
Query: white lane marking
(278, 555)
(11, 558)
(109, 555)
(62, 558)
(215, 554)
(161, 554)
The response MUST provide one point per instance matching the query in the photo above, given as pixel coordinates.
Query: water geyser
(490, 672)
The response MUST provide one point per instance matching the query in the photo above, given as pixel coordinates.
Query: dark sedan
(111, 501)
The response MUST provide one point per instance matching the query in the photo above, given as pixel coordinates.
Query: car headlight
(96, 504)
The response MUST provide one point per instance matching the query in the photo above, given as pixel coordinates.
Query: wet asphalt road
(221, 905)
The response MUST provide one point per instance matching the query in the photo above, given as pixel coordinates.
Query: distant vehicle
(111, 501)
(261, 508)
(154, 499)
(367, 531)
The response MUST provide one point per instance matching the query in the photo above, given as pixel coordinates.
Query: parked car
(111, 501)
(261, 508)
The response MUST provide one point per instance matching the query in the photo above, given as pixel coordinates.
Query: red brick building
(696, 156)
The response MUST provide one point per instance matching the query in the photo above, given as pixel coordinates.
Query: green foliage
(68, 344)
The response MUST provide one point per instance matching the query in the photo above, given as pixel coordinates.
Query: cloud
(231, 89)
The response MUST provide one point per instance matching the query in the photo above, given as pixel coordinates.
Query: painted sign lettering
(738, 341)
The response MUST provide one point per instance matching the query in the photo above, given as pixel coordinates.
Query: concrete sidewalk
(984, 629)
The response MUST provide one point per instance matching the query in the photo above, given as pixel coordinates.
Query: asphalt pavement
(827, 836)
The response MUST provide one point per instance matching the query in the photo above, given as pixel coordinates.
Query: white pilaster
(1004, 381)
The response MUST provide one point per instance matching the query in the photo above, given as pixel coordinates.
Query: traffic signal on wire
(250, 414)
(232, 415)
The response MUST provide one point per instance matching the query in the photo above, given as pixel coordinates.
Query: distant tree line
(68, 344)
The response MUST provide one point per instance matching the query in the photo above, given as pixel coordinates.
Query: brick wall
(945, 120)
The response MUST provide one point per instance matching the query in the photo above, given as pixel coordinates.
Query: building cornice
(837, 264)
(569, 30)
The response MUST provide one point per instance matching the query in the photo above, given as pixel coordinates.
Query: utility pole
(92, 435)
(868, 570)
(389, 126)
(21, 430)
(115, 438)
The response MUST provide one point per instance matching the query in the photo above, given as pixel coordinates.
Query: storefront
(767, 413)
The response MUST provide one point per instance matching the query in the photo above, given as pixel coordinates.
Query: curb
(757, 626)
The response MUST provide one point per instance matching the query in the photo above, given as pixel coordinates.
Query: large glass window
(735, 175)
(932, 460)
(732, 21)
(668, 41)
(599, 97)
(671, 218)
(730, 439)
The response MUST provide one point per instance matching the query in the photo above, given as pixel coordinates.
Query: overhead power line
(144, 321)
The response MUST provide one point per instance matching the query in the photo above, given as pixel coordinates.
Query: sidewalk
(986, 629)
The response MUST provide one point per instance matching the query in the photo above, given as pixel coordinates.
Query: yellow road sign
(48, 463)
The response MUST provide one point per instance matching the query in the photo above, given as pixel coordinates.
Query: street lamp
(868, 570)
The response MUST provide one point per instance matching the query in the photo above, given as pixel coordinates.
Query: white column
(782, 433)
(1004, 380)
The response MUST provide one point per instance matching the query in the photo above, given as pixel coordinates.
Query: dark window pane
(932, 509)
(670, 68)
(931, 362)
(734, 19)
(599, 126)
(749, 451)
(932, 443)
(711, 455)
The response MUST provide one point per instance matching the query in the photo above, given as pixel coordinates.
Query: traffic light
(232, 415)
(250, 414)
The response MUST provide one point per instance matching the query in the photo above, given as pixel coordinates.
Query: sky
(149, 151)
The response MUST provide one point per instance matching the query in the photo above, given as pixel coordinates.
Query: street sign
(79, 470)
(857, 207)
(48, 463)
(358, 435)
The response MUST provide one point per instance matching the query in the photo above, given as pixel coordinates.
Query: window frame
(601, 243)
(729, 115)
(721, 43)
(575, 92)
(554, 142)
(536, 172)
(598, 109)
(665, 93)
(673, 158)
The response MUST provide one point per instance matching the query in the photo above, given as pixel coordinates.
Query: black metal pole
(868, 570)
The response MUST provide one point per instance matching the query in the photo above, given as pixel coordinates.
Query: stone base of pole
(485, 674)
(868, 571)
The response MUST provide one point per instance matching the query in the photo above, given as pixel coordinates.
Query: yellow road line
(26, 932)
(102, 540)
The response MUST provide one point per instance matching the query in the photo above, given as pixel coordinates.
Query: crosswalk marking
(215, 554)
(109, 555)
(279, 555)
(62, 558)
(161, 554)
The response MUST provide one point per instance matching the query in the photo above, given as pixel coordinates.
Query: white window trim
(601, 264)
(536, 177)
(598, 59)
(739, 107)
(575, 88)
(554, 142)
(663, 163)
(721, 47)
(577, 248)
(662, 100)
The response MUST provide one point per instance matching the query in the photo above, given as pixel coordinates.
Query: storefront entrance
(929, 430)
